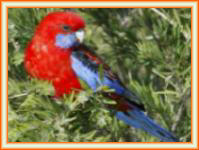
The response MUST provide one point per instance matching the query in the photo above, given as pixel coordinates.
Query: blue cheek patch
(66, 40)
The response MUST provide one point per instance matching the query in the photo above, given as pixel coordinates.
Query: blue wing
(86, 65)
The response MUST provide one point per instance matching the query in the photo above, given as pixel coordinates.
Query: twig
(162, 15)
(179, 114)
(17, 96)
(172, 22)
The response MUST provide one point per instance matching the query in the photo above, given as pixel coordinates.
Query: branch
(19, 95)
(181, 110)
(172, 22)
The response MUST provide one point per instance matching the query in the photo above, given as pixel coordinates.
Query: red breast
(44, 60)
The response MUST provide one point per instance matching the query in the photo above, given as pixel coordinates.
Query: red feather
(45, 61)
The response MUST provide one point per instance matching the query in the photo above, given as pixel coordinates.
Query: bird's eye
(66, 28)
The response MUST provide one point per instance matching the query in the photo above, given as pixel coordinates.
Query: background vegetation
(150, 49)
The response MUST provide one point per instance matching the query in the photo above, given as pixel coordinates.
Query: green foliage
(150, 49)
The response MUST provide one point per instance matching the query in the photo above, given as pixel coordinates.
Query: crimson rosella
(56, 54)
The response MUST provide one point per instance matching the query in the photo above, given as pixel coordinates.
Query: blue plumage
(92, 78)
(86, 66)
(138, 119)
(66, 40)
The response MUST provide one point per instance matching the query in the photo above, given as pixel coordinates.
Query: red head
(60, 22)
(47, 56)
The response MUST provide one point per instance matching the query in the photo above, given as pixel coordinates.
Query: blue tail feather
(138, 119)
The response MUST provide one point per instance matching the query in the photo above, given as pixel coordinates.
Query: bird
(56, 53)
